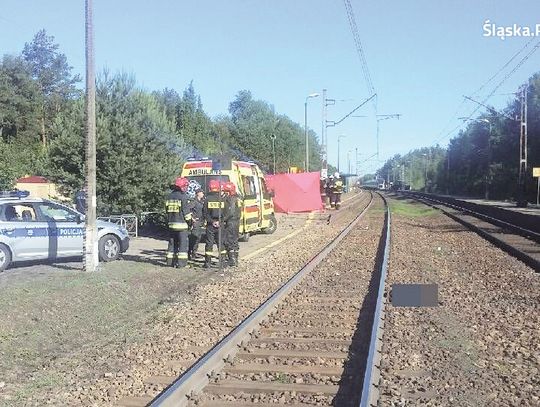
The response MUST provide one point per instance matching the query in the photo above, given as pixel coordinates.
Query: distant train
(381, 184)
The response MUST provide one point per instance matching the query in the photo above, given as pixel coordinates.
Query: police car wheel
(272, 227)
(109, 248)
(5, 257)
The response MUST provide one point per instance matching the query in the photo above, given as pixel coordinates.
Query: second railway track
(516, 240)
(310, 341)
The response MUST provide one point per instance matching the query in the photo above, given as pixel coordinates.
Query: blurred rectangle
(415, 295)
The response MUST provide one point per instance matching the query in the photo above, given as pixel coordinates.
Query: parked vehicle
(40, 229)
(256, 201)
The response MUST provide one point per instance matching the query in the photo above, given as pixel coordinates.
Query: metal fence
(130, 222)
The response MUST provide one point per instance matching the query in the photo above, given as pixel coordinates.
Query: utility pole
(90, 236)
(448, 171)
(306, 162)
(338, 149)
(522, 184)
(356, 161)
(384, 117)
(324, 164)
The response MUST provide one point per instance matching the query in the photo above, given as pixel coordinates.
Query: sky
(422, 55)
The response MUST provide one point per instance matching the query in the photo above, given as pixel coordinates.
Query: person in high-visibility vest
(337, 190)
(214, 211)
(179, 221)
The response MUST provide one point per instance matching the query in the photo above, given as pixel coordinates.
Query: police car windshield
(201, 181)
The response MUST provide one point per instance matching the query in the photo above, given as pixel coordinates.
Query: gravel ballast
(187, 325)
(480, 346)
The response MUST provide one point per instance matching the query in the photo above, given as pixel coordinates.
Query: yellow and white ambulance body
(257, 208)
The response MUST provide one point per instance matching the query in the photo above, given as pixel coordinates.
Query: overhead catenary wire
(503, 80)
(503, 67)
(359, 47)
(464, 101)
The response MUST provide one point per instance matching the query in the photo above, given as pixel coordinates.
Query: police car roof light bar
(14, 194)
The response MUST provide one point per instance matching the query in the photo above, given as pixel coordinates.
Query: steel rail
(498, 222)
(372, 373)
(514, 251)
(192, 381)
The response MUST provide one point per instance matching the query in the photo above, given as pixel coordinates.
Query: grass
(282, 378)
(56, 319)
(410, 210)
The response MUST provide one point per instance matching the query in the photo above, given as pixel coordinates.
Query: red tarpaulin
(296, 192)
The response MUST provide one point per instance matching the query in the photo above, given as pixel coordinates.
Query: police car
(38, 229)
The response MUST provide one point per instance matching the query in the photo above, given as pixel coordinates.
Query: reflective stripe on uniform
(208, 253)
(173, 206)
(178, 226)
(181, 255)
(188, 216)
(170, 255)
(223, 252)
(215, 205)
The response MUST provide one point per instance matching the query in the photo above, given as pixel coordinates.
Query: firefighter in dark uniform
(196, 208)
(214, 211)
(179, 221)
(232, 224)
(337, 190)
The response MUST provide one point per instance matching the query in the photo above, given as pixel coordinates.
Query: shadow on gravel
(154, 257)
(351, 380)
(457, 228)
(399, 197)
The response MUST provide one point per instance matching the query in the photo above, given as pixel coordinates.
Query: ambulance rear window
(201, 181)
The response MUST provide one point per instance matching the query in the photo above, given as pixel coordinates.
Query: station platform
(531, 209)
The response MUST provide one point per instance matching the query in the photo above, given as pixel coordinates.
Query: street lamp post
(338, 143)
(425, 174)
(273, 137)
(306, 163)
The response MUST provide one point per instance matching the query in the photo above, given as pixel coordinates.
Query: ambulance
(257, 208)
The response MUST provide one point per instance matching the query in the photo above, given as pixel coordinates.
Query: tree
(255, 121)
(50, 69)
(138, 152)
(19, 107)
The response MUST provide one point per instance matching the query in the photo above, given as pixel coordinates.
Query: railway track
(514, 238)
(315, 340)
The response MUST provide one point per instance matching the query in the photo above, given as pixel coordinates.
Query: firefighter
(214, 211)
(337, 190)
(232, 224)
(179, 221)
(198, 223)
(330, 192)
